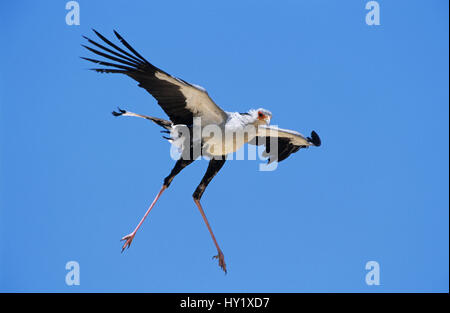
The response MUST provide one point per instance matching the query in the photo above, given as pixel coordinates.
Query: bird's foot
(221, 259)
(128, 239)
(121, 112)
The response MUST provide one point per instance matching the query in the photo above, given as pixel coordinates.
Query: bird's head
(261, 116)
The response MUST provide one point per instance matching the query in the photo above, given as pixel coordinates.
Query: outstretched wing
(286, 142)
(180, 100)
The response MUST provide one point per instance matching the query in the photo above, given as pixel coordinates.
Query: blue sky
(74, 179)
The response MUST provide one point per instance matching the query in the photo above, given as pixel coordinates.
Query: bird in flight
(190, 108)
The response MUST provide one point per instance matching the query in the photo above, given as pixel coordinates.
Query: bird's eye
(260, 115)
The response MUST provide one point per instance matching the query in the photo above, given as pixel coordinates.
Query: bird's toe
(221, 259)
(128, 239)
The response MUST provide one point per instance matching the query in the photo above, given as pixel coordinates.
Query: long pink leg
(219, 255)
(129, 238)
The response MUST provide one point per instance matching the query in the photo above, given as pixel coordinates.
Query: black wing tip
(91, 60)
(97, 33)
(118, 36)
(315, 139)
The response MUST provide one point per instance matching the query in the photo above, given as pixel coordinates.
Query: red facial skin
(261, 116)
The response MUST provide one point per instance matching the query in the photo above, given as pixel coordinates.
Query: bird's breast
(228, 140)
